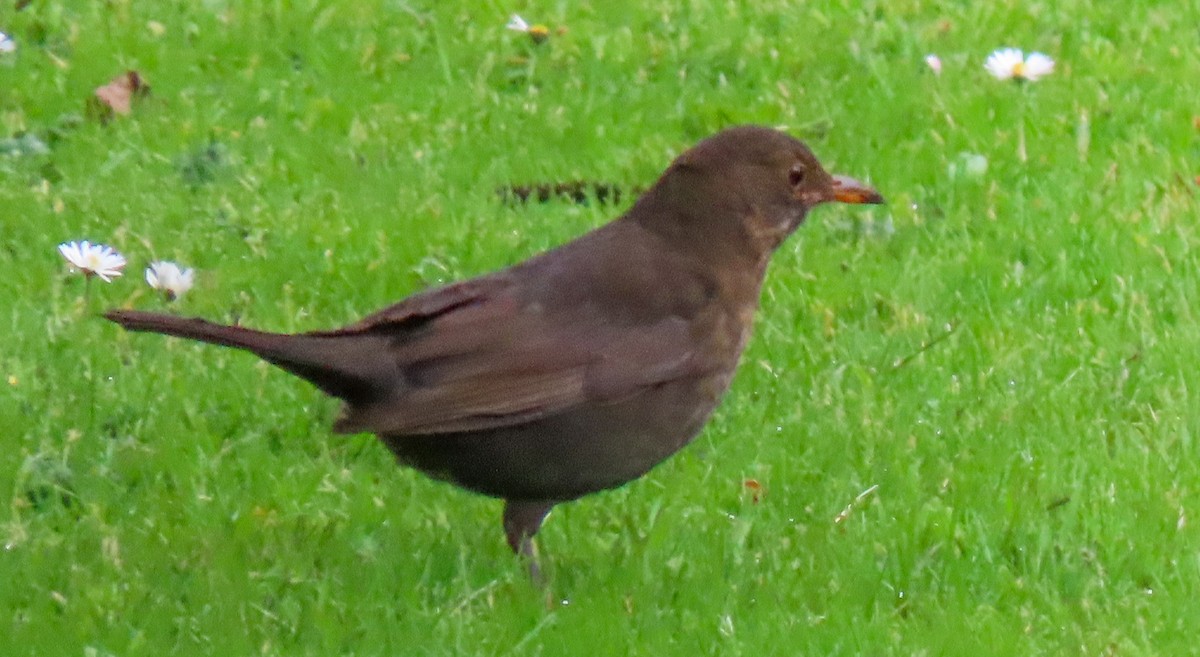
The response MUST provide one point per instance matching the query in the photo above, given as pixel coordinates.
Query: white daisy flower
(537, 32)
(93, 259)
(1012, 64)
(517, 24)
(7, 44)
(169, 278)
(934, 63)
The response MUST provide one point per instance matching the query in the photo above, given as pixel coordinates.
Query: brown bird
(581, 368)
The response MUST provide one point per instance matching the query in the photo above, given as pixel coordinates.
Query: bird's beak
(849, 190)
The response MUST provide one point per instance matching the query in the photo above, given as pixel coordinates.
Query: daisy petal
(517, 24)
(1038, 65)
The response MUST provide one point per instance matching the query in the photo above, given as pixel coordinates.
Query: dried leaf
(117, 96)
(755, 489)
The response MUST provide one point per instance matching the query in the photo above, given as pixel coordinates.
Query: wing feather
(522, 344)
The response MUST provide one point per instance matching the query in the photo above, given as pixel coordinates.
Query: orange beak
(849, 190)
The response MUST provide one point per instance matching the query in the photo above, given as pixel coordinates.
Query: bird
(583, 367)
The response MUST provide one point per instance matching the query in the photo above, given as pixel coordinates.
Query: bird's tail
(352, 367)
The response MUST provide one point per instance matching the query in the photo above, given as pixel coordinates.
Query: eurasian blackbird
(583, 367)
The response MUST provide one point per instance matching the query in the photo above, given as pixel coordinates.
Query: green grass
(1010, 358)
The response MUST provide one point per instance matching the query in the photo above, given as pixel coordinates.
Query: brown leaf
(117, 96)
(755, 489)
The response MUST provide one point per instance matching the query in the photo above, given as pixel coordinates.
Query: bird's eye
(796, 174)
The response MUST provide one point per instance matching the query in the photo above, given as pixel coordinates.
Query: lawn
(971, 414)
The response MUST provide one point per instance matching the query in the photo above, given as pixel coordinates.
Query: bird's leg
(522, 519)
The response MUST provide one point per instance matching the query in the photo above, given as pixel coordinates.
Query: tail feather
(354, 368)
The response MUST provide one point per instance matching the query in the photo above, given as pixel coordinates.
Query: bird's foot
(522, 520)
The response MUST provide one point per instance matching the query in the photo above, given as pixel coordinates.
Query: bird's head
(747, 187)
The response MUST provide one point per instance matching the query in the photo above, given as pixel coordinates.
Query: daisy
(1012, 64)
(7, 44)
(93, 259)
(170, 279)
(934, 63)
(537, 32)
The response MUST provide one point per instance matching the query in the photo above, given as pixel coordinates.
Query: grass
(1007, 356)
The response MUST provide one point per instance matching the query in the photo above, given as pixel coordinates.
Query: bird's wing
(480, 358)
(422, 307)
